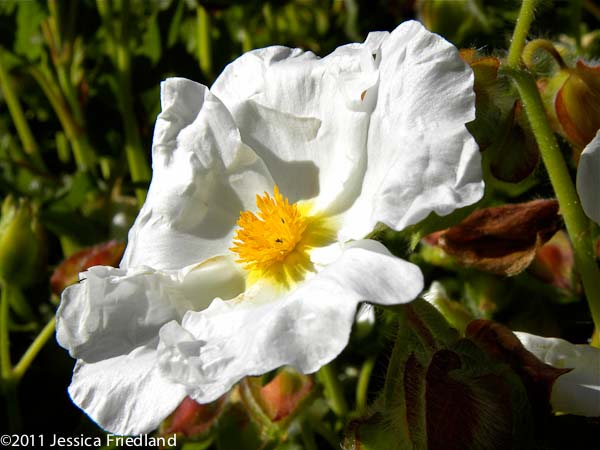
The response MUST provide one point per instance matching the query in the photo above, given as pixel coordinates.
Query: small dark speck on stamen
(278, 240)
(282, 220)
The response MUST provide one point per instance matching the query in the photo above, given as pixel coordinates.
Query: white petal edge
(126, 394)
(112, 311)
(421, 157)
(306, 328)
(588, 179)
(203, 177)
(577, 392)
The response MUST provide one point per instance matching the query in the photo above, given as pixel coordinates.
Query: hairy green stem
(577, 223)
(520, 34)
(333, 389)
(33, 350)
(541, 44)
(18, 116)
(362, 387)
(395, 365)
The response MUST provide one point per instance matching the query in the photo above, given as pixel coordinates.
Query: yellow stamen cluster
(268, 237)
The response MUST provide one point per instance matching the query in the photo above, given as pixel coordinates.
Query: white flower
(576, 392)
(588, 179)
(250, 251)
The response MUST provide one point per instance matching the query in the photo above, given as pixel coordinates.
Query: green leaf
(73, 194)
(151, 44)
(29, 40)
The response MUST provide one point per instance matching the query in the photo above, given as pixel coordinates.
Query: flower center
(274, 242)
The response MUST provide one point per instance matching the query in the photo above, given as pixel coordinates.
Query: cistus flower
(588, 179)
(250, 251)
(578, 391)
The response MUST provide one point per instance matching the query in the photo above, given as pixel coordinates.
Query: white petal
(421, 158)
(577, 392)
(304, 116)
(203, 176)
(588, 179)
(306, 328)
(112, 311)
(125, 394)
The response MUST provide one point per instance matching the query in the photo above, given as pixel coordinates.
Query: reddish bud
(554, 262)
(105, 254)
(191, 418)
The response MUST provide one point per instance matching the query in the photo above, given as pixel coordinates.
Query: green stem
(12, 405)
(308, 437)
(362, 387)
(5, 363)
(520, 34)
(333, 389)
(204, 41)
(16, 112)
(541, 44)
(136, 157)
(395, 364)
(247, 389)
(577, 223)
(33, 350)
(84, 155)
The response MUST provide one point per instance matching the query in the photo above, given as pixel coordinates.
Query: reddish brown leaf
(502, 239)
(502, 344)
(464, 414)
(105, 254)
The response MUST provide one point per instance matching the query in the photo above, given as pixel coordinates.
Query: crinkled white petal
(203, 176)
(421, 158)
(112, 311)
(577, 392)
(305, 328)
(377, 127)
(304, 116)
(588, 179)
(110, 321)
(125, 394)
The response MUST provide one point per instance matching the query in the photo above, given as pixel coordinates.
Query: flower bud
(193, 419)
(280, 400)
(21, 242)
(104, 254)
(571, 95)
(577, 104)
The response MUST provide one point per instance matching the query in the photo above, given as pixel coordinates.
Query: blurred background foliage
(79, 96)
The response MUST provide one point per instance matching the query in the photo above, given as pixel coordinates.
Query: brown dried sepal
(503, 239)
